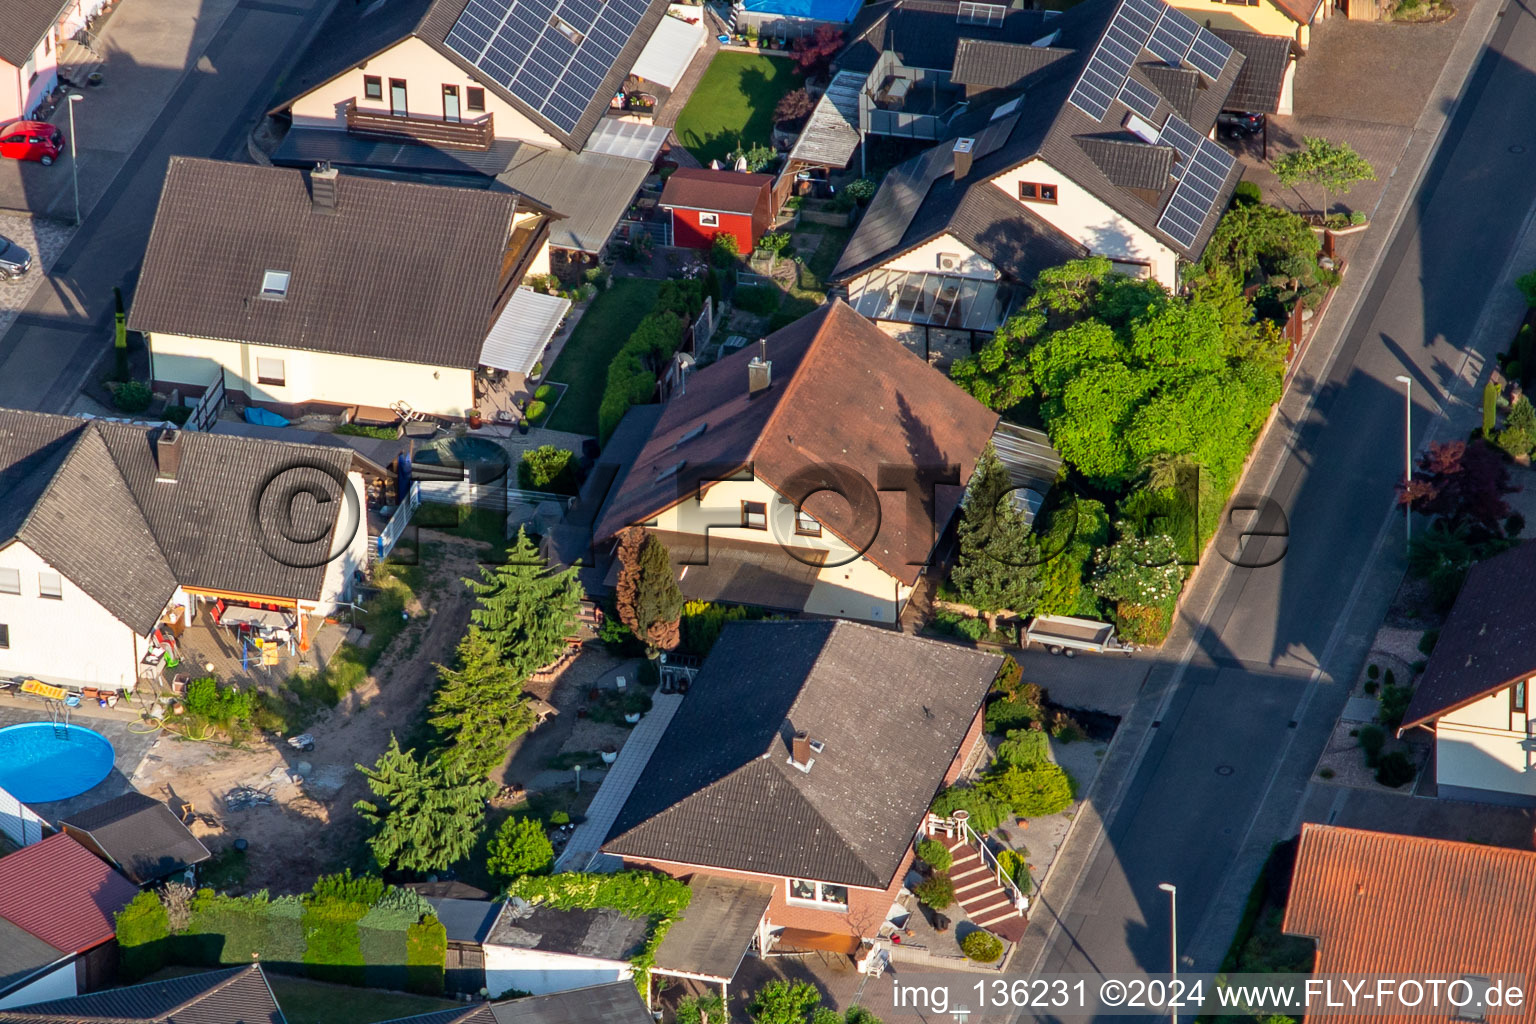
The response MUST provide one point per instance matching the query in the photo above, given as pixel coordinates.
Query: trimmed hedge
(631, 379)
(143, 931)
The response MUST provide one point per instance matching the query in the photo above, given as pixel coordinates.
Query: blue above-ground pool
(813, 10)
(40, 761)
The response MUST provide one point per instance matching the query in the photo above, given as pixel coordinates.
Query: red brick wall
(866, 907)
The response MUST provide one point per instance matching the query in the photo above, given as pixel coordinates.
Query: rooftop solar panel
(1197, 193)
(551, 54)
(1171, 40)
(1179, 134)
(1138, 97)
(1111, 60)
(1210, 54)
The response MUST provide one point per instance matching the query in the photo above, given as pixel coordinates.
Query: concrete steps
(986, 903)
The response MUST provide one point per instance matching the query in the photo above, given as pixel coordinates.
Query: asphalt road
(222, 90)
(1232, 751)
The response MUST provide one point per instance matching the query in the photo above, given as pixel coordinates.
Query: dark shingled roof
(617, 1002)
(354, 32)
(465, 920)
(23, 23)
(1259, 84)
(993, 64)
(599, 933)
(83, 495)
(1488, 641)
(699, 188)
(139, 835)
(720, 790)
(1129, 162)
(1179, 86)
(928, 33)
(22, 955)
(400, 271)
(236, 996)
(62, 893)
(717, 928)
(730, 571)
(862, 403)
(1047, 127)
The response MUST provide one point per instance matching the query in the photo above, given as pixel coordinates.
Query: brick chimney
(324, 185)
(759, 370)
(964, 149)
(800, 750)
(168, 455)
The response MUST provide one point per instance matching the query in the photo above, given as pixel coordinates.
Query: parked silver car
(14, 260)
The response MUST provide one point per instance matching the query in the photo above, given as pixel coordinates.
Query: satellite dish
(684, 360)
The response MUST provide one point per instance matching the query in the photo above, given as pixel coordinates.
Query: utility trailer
(1063, 634)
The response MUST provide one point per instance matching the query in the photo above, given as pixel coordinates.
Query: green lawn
(315, 1002)
(734, 102)
(601, 332)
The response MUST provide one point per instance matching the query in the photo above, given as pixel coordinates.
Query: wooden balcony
(430, 131)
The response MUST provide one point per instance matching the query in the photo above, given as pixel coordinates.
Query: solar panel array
(1181, 135)
(551, 54)
(1172, 38)
(1138, 97)
(1209, 55)
(1111, 61)
(1199, 187)
(988, 15)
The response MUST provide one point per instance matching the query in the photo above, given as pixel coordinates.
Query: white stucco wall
(926, 258)
(425, 72)
(23, 88)
(313, 376)
(58, 983)
(1083, 216)
(1476, 749)
(536, 971)
(350, 542)
(70, 640)
(859, 589)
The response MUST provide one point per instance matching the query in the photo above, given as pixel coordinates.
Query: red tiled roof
(60, 892)
(702, 189)
(1385, 904)
(847, 406)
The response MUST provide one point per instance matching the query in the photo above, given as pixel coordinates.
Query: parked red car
(31, 140)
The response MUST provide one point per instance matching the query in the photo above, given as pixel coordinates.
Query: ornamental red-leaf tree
(1463, 484)
(814, 53)
(647, 596)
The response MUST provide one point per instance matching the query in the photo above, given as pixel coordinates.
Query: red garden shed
(703, 203)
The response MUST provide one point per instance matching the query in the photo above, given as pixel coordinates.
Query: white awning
(670, 50)
(526, 324)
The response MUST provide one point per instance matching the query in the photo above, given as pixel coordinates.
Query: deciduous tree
(1332, 166)
(1463, 484)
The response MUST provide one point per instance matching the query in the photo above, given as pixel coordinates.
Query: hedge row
(394, 942)
(631, 379)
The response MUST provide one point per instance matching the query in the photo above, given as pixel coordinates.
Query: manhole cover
(1517, 149)
(1225, 769)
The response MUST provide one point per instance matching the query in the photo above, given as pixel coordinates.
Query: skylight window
(1008, 108)
(565, 29)
(671, 471)
(1142, 129)
(988, 15)
(274, 284)
(692, 433)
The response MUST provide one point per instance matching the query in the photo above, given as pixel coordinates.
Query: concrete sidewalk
(581, 853)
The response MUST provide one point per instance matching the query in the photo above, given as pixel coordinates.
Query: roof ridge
(236, 974)
(797, 380)
(95, 428)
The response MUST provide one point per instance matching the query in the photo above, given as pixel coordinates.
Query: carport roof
(712, 937)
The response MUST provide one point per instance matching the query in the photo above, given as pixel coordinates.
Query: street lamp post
(74, 164)
(1173, 939)
(1407, 383)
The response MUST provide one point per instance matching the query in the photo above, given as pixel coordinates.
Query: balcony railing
(432, 131)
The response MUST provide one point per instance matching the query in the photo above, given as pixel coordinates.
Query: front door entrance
(397, 97)
(450, 103)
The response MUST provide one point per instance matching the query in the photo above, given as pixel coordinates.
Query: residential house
(111, 530)
(614, 1003)
(1474, 693)
(1089, 137)
(58, 905)
(1381, 905)
(322, 292)
(29, 54)
(812, 472)
(775, 771)
(493, 92)
(139, 836)
(539, 949)
(237, 995)
(1288, 19)
(704, 203)
(1267, 82)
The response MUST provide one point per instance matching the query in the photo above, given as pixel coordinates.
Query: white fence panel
(20, 823)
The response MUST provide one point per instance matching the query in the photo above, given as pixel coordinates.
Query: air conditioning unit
(949, 260)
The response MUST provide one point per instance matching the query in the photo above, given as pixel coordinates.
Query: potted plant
(475, 419)
(609, 753)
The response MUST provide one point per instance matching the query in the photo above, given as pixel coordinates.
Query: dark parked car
(1234, 124)
(14, 260)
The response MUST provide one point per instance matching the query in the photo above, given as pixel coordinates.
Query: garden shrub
(702, 622)
(1394, 703)
(426, 950)
(519, 847)
(982, 946)
(631, 893)
(1527, 285)
(1017, 868)
(132, 396)
(708, 1008)
(1428, 640)
(535, 412)
(547, 468)
(935, 854)
(936, 891)
(1031, 792)
(543, 392)
(783, 1002)
(986, 811)
(142, 933)
(1394, 769)
(1065, 728)
(1247, 192)
(760, 299)
(632, 372)
(1024, 747)
(861, 189)
(228, 707)
(358, 430)
(723, 249)
(1373, 671)
(1372, 737)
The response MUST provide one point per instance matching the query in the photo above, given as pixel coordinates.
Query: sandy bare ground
(311, 827)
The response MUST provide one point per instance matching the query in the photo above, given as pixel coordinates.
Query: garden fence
(20, 823)
(206, 412)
